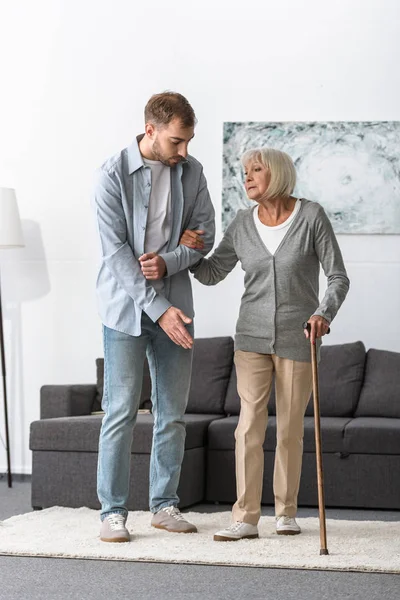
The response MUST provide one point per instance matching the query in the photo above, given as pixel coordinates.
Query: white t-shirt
(158, 227)
(273, 236)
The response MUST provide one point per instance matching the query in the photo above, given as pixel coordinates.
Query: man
(145, 197)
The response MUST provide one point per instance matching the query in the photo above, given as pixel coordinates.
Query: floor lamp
(10, 237)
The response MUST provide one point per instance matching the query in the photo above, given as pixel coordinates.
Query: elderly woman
(280, 243)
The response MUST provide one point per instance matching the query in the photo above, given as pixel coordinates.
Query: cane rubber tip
(323, 552)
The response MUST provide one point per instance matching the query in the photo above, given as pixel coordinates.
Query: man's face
(170, 142)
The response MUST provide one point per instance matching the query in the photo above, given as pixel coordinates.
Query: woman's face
(257, 178)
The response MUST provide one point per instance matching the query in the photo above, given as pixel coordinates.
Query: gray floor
(61, 579)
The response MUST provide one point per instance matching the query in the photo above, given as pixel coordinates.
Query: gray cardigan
(281, 290)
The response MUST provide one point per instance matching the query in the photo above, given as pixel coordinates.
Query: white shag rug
(372, 546)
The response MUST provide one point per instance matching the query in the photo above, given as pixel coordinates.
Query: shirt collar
(135, 160)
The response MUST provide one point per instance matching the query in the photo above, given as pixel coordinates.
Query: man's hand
(172, 321)
(153, 266)
(192, 239)
(319, 327)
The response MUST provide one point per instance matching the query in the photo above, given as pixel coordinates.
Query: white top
(158, 227)
(273, 236)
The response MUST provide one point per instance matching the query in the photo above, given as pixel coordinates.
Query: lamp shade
(10, 223)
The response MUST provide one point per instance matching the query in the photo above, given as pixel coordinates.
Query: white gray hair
(280, 166)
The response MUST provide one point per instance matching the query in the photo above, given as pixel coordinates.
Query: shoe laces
(174, 512)
(234, 527)
(116, 521)
(286, 520)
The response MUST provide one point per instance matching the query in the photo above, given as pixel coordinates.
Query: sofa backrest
(212, 366)
(380, 394)
(341, 372)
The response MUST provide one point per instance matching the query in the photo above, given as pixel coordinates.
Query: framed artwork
(351, 168)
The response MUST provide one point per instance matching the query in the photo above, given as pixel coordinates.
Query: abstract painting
(351, 168)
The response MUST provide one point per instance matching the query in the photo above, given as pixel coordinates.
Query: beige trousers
(293, 381)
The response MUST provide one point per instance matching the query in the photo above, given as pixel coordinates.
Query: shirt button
(146, 206)
(149, 184)
(143, 227)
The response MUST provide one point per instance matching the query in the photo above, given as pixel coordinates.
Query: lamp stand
(3, 370)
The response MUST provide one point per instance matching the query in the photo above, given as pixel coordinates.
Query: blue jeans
(170, 369)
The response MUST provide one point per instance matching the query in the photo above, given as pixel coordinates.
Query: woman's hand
(192, 239)
(319, 327)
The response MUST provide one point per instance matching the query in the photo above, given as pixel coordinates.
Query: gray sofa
(360, 423)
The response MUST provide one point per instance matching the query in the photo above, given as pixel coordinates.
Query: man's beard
(158, 155)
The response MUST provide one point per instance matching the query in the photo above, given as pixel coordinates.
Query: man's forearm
(126, 270)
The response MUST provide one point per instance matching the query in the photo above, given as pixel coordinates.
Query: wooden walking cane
(318, 446)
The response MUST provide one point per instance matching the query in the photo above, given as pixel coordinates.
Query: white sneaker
(171, 519)
(287, 526)
(113, 529)
(236, 531)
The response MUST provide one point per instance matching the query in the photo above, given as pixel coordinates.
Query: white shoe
(171, 519)
(287, 526)
(113, 529)
(236, 531)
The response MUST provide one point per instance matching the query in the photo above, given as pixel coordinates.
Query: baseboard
(16, 477)
(16, 469)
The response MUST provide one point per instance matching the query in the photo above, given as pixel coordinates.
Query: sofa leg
(37, 507)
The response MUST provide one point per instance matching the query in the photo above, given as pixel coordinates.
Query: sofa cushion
(221, 434)
(340, 374)
(81, 434)
(332, 434)
(372, 435)
(212, 365)
(232, 400)
(145, 399)
(380, 394)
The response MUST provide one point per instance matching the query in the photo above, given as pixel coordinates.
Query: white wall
(75, 77)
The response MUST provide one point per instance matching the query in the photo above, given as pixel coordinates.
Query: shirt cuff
(171, 263)
(157, 308)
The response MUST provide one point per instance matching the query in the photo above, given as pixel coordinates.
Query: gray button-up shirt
(121, 200)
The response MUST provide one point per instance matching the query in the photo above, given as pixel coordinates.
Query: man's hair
(161, 109)
(279, 164)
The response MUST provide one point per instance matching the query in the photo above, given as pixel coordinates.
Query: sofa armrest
(66, 400)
